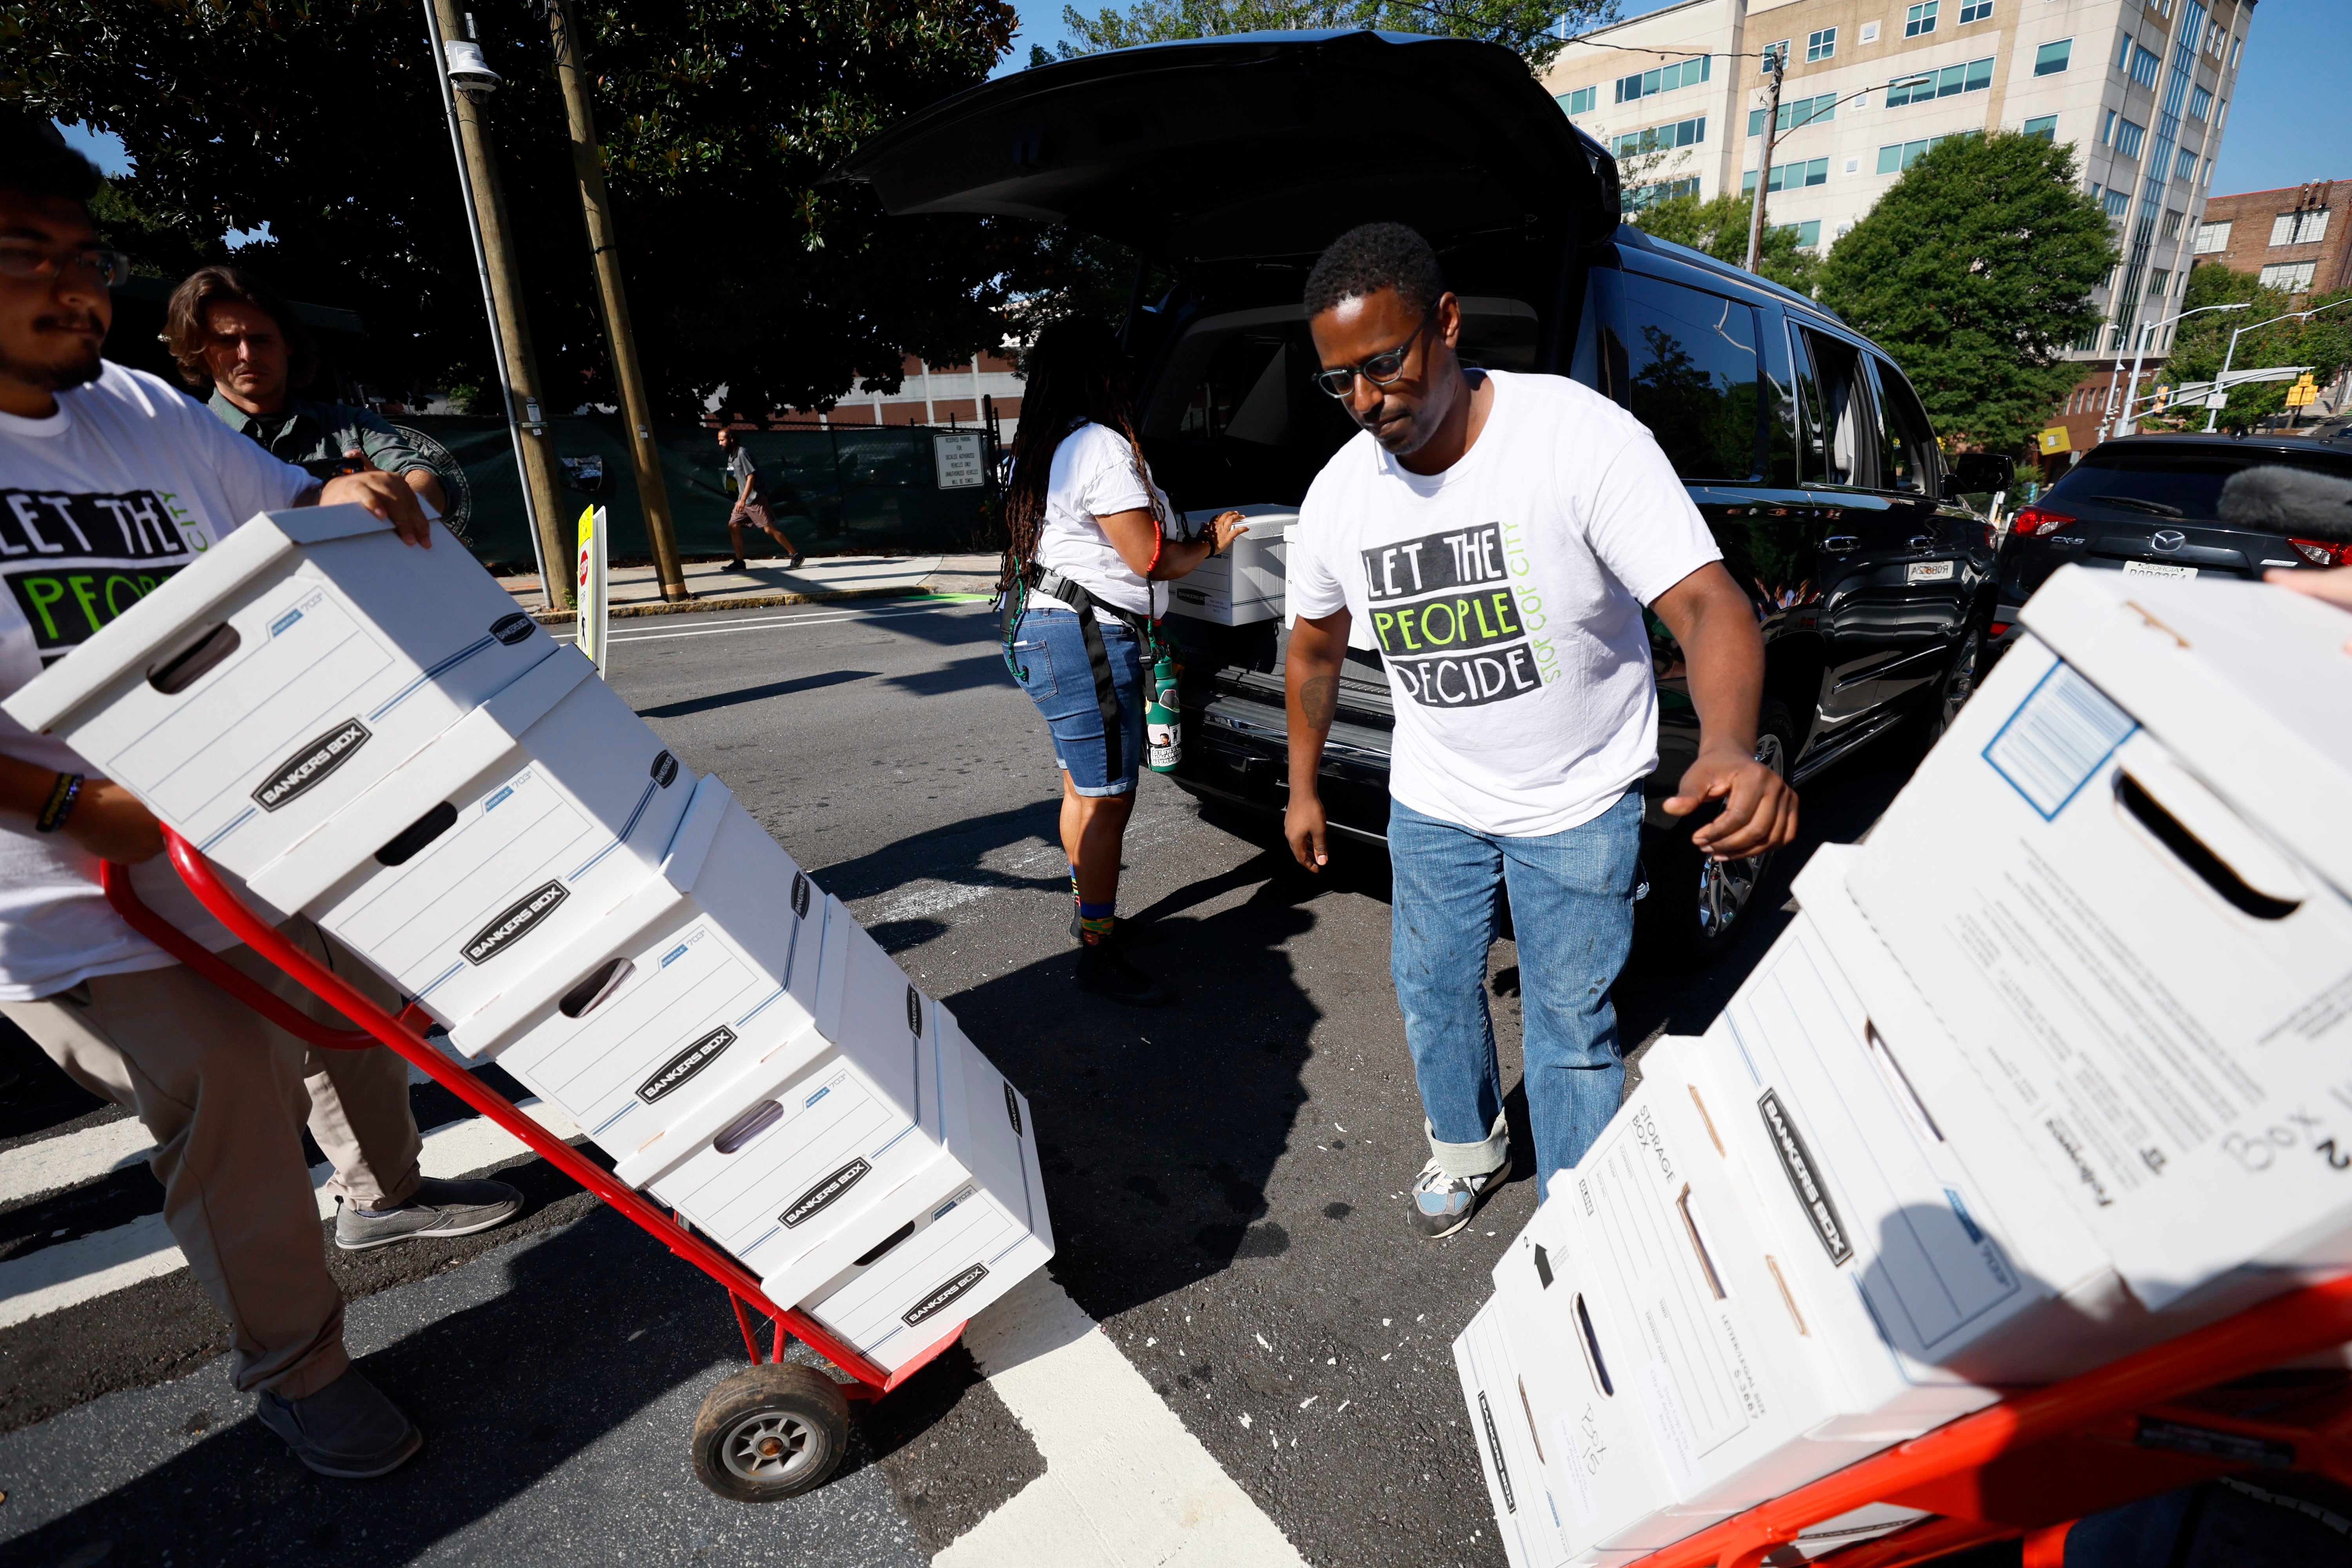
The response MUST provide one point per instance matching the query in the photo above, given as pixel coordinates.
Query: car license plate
(2156, 569)
(1928, 571)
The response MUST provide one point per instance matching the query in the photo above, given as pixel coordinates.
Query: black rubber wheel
(1696, 908)
(771, 1432)
(1959, 684)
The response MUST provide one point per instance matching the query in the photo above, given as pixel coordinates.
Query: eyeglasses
(108, 268)
(1380, 370)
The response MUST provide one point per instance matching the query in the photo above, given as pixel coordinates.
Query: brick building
(2298, 240)
(941, 394)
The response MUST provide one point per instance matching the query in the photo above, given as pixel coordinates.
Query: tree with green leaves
(1975, 272)
(719, 119)
(1538, 29)
(1719, 227)
(2323, 341)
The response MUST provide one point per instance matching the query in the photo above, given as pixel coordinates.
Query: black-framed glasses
(108, 268)
(1380, 370)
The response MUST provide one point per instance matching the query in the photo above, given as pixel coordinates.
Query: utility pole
(595, 206)
(1774, 65)
(460, 64)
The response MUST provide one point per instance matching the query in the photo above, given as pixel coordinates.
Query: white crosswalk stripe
(74, 1271)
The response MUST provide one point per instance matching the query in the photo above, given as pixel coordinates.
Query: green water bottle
(1163, 720)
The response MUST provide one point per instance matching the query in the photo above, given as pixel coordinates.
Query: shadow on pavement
(755, 693)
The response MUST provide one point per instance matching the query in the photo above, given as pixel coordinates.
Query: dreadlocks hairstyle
(186, 332)
(1372, 257)
(1072, 375)
(35, 160)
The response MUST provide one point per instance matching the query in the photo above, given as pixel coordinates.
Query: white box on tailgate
(1244, 583)
(513, 832)
(2155, 990)
(280, 676)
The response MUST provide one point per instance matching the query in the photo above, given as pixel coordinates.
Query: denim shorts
(1052, 647)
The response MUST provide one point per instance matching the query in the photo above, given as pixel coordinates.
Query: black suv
(2152, 504)
(1228, 164)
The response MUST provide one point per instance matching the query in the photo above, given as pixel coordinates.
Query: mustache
(69, 321)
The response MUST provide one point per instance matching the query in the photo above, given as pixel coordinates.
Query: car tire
(1958, 684)
(1696, 908)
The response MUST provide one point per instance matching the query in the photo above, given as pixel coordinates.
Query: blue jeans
(1573, 912)
(1051, 646)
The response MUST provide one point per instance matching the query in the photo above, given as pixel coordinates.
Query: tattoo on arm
(1318, 700)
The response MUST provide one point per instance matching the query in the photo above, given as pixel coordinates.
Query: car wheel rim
(769, 1448)
(1725, 887)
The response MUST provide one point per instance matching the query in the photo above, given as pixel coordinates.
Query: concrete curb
(735, 602)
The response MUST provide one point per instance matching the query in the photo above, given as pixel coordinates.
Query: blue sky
(2284, 129)
(2286, 124)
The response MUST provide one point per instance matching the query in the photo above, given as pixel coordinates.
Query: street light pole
(604, 246)
(509, 328)
(2139, 352)
(2220, 382)
(1777, 66)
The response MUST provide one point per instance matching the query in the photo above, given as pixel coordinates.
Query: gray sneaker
(348, 1429)
(438, 1207)
(1443, 1204)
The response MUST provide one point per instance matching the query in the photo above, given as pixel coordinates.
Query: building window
(2128, 138)
(2289, 276)
(1795, 111)
(1870, 32)
(2212, 237)
(2184, 164)
(1641, 196)
(1974, 77)
(2116, 203)
(1582, 101)
(2159, 283)
(2051, 58)
(2046, 128)
(1974, 11)
(1665, 79)
(1920, 20)
(1660, 138)
(2200, 103)
(2235, 45)
(2108, 128)
(2122, 51)
(1789, 177)
(1808, 233)
(2144, 67)
(1897, 156)
(2172, 224)
(1820, 46)
(2307, 228)
(2220, 114)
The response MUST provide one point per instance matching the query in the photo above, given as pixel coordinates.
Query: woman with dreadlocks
(1088, 539)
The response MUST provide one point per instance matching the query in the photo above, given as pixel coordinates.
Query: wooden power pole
(595, 204)
(1775, 64)
(526, 408)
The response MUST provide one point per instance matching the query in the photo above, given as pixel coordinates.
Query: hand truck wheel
(770, 1433)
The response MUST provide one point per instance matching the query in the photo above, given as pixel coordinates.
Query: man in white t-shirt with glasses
(1498, 536)
(109, 481)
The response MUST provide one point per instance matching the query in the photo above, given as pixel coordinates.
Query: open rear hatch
(1262, 144)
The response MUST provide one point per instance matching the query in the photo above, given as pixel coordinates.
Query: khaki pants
(226, 1096)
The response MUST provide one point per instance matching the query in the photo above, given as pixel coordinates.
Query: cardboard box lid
(2248, 684)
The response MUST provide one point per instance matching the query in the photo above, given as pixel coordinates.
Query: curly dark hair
(185, 330)
(1369, 257)
(1072, 375)
(34, 159)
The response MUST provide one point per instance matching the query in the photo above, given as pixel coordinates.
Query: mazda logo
(2167, 539)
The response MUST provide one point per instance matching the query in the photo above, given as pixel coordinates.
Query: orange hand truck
(774, 1431)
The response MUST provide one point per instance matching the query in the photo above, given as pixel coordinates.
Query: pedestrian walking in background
(232, 333)
(1089, 543)
(110, 481)
(1527, 515)
(751, 502)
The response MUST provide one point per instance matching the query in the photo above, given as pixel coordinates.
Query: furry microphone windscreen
(2281, 500)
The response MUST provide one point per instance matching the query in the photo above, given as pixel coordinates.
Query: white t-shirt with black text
(1094, 475)
(123, 486)
(1506, 596)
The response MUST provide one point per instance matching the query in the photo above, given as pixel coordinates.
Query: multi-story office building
(2142, 91)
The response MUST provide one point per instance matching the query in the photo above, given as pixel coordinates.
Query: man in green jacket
(228, 329)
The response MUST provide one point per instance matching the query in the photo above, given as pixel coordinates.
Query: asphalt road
(1226, 1177)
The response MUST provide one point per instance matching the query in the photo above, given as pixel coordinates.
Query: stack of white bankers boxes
(2049, 1071)
(371, 734)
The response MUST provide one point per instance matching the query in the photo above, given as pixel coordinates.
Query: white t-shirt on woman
(1093, 476)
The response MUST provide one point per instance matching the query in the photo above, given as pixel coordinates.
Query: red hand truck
(774, 1431)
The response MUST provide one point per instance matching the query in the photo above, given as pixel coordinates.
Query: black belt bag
(1071, 592)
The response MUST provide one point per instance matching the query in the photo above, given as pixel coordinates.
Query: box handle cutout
(747, 1126)
(591, 993)
(2190, 851)
(888, 1242)
(185, 668)
(401, 849)
(1691, 1228)
(1713, 1136)
(1593, 1362)
(1527, 1407)
(1788, 1297)
(1898, 1083)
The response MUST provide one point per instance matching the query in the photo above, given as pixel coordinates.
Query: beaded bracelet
(62, 795)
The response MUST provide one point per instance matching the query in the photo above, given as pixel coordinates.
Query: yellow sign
(591, 586)
(2303, 394)
(2054, 440)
